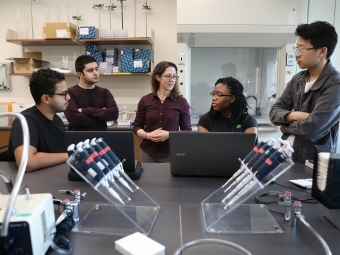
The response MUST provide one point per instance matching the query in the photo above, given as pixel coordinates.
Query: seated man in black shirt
(46, 129)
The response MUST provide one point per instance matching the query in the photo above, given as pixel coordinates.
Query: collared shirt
(172, 115)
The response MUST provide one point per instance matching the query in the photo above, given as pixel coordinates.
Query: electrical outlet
(181, 60)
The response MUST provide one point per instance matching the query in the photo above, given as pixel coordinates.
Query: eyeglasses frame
(212, 94)
(59, 94)
(176, 77)
(299, 50)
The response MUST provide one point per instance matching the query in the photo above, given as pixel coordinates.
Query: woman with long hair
(159, 112)
(229, 109)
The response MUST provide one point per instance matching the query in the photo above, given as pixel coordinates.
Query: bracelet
(145, 137)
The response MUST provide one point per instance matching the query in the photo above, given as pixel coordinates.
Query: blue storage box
(142, 58)
(115, 57)
(98, 56)
(88, 32)
(127, 59)
(111, 55)
(104, 56)
(90, 47)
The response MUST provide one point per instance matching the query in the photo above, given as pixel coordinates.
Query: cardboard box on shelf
(35, 55)
(59, 30)
(26, 65)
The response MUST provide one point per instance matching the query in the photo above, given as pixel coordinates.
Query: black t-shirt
(219, 123)
(45, 135)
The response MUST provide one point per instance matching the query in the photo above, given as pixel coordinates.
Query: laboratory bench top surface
(180, 219)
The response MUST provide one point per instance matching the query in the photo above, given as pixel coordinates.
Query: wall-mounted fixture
(256, 108)
(290, 59)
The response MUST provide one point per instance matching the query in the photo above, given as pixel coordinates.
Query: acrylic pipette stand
(224, 211)
(134, 211)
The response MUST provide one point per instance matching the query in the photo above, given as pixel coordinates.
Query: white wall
(183, 70)
(238, 23)
(325, 10)
(237, 12)
(249, 23)
(260, 16)
(126, 90)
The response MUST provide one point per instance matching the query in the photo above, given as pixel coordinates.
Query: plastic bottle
(125, 114)
(65, 62)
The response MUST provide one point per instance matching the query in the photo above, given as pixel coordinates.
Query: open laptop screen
(210, 154)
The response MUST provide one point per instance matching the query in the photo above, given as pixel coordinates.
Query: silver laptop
(209, 154)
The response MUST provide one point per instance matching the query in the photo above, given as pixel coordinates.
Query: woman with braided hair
(229, 109)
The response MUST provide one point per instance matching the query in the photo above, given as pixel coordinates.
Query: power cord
(291, 188)
(259, 201)
(307, 201)
(60, 243)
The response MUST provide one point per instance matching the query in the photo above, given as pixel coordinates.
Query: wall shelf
(11, 37)
(124, 74)
(29, 74)
(43, 42)
(20, 74)
(120, 41)
(73, 74)
(70, 42)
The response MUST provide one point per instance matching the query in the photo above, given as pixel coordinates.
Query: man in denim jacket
(309, 107)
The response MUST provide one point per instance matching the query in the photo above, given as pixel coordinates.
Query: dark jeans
(147, 158)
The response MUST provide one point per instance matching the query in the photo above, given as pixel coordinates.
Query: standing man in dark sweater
(90, 106)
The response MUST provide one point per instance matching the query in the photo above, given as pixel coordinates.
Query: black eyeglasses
(212, 94)
(64, 94)
(169, 77)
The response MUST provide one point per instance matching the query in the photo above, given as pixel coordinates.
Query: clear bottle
(125, 114)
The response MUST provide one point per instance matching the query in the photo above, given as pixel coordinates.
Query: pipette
(91, 168)
(102, 166)
(104, 155)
